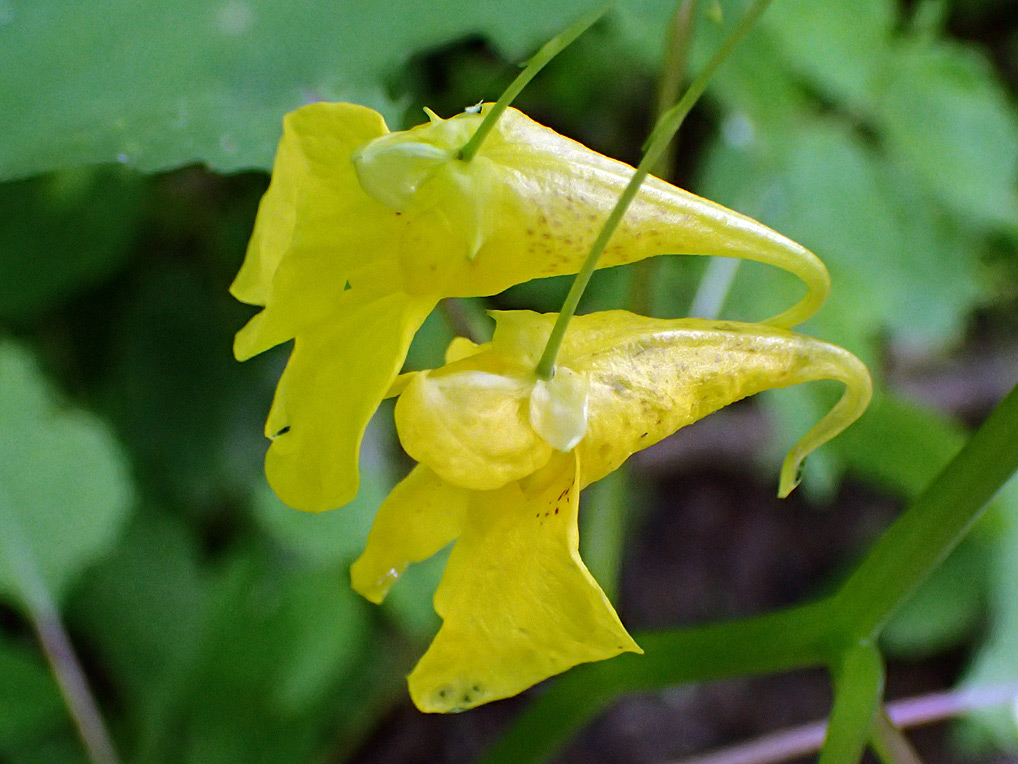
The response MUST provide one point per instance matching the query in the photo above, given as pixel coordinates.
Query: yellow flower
(517, 603)
(363, 231)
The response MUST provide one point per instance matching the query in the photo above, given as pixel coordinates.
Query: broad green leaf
(945, 115)
(64, 486)
(946, 609)
(840, 45)
(142, 609)
(336, 537)
(191, 415)
(155, 85)
(895, 263)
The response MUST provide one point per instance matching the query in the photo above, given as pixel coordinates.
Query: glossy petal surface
(517, 603)
(337, 375)
(356, 215)
(421, 515)
(646, 379)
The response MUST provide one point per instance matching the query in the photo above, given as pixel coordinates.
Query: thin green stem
(53, 638)
(932, 524)
(890, 744)
(655, 147)
(548, 51)
(673, 73)
(858, 689)
(795, 638)
(714, 287)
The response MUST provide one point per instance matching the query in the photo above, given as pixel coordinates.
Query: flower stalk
(535, 64)
(654, 149)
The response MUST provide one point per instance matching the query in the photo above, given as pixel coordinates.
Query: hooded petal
(642, 379)
(517, 603)
(531, 202)
(650, 377)
(335, 379)
(421, 515)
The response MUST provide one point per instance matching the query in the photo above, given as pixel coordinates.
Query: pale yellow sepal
(517, 603)
(558, 409)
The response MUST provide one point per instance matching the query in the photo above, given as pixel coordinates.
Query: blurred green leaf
(946, 117)
(852, 34)
(944, 610)
(896, 264)
(61, 233)
(156, 85)
(190, 413)
(335, 537)
(143, 609)
(64, 484)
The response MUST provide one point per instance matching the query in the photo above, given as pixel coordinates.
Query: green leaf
(997, 660)
(895, 263)
(945, 115)
(161, 84)
(945, 610)
(841, 46)
(336, 537)
(64, 486)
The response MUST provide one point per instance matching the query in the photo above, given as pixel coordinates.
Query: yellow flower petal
(532, 201)
(311, 169)
(343, 226)
(643, 379)
(517, 603)
(334, 381)
(471, 424)
(314, 227)
(421, 515)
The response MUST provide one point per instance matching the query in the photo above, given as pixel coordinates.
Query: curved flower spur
(517, 603)
(363, 231)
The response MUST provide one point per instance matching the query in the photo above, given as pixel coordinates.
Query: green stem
(548, 51)
(53, 638)
(714, 287)
(673, 73)
(890, 744)
(858, 688)
(932, 524)
(788, 639)
(655, 147)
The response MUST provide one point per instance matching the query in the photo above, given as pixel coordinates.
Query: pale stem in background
(55, 643)
(806, 739)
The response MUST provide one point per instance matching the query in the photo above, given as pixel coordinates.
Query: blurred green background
(215, 624)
